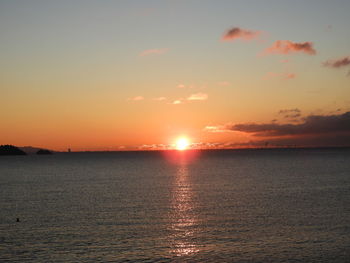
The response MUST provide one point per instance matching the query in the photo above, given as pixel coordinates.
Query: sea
(249, 205)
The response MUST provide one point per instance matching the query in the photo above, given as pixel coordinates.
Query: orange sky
(121, 75)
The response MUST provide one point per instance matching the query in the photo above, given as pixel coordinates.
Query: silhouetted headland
(10, 150)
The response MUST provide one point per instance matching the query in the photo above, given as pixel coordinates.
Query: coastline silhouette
(10, 150)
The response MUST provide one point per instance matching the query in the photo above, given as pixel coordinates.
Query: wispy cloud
(198, 96)
(313, 124)
(286, 76)
(156, 51)
(156, 146)
(289, 76)
(137, 98)
(289, 111)
(216, 128)
(194, 97)
(290, 114)
(337, 63)
(240, 33)
(288, 47)
(318, 130)
(192, 86)
(177, 102)
(159, 98)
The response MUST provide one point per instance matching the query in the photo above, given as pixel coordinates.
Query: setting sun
(182, 144)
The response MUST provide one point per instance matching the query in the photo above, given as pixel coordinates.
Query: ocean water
(208, 206)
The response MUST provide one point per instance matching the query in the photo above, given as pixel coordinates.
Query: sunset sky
(118, 75)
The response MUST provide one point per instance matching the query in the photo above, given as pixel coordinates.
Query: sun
(182, 144)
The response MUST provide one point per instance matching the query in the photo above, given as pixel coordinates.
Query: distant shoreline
(192, 150)
(221, 149)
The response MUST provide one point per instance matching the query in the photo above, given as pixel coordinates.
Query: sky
(120, 75)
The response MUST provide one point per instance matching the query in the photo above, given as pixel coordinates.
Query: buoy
(17, 220)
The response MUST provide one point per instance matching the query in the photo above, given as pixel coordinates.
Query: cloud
(194, 97)
(315, 130)
(337, 63)
(177, 102)
(289, 76)
(137, 98)
(159, 98)
(198, 96)
(287, 47)
(313, 124)
(285, 76)
(155, 146)
(158, 51)
(324, 140)
(314, 140)
(290, 114)
(191, 86)
(215, 128)
(240, 33)
(289, 111)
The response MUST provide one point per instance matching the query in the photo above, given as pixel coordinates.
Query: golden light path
(183, 217)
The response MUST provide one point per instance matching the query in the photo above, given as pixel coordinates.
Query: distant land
(33, 150)
(30, 150)
(10, 150)
(15, 150)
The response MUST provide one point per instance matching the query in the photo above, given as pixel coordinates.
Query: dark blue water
(213, 206)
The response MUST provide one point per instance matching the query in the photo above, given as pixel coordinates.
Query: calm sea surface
(214, 206)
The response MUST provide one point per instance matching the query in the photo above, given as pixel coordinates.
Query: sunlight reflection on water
(222, 206)
(183, 223)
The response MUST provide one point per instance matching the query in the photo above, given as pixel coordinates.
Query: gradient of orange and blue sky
(108, 75)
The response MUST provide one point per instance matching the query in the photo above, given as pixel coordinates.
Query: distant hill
(32, 150)
(10, 150)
